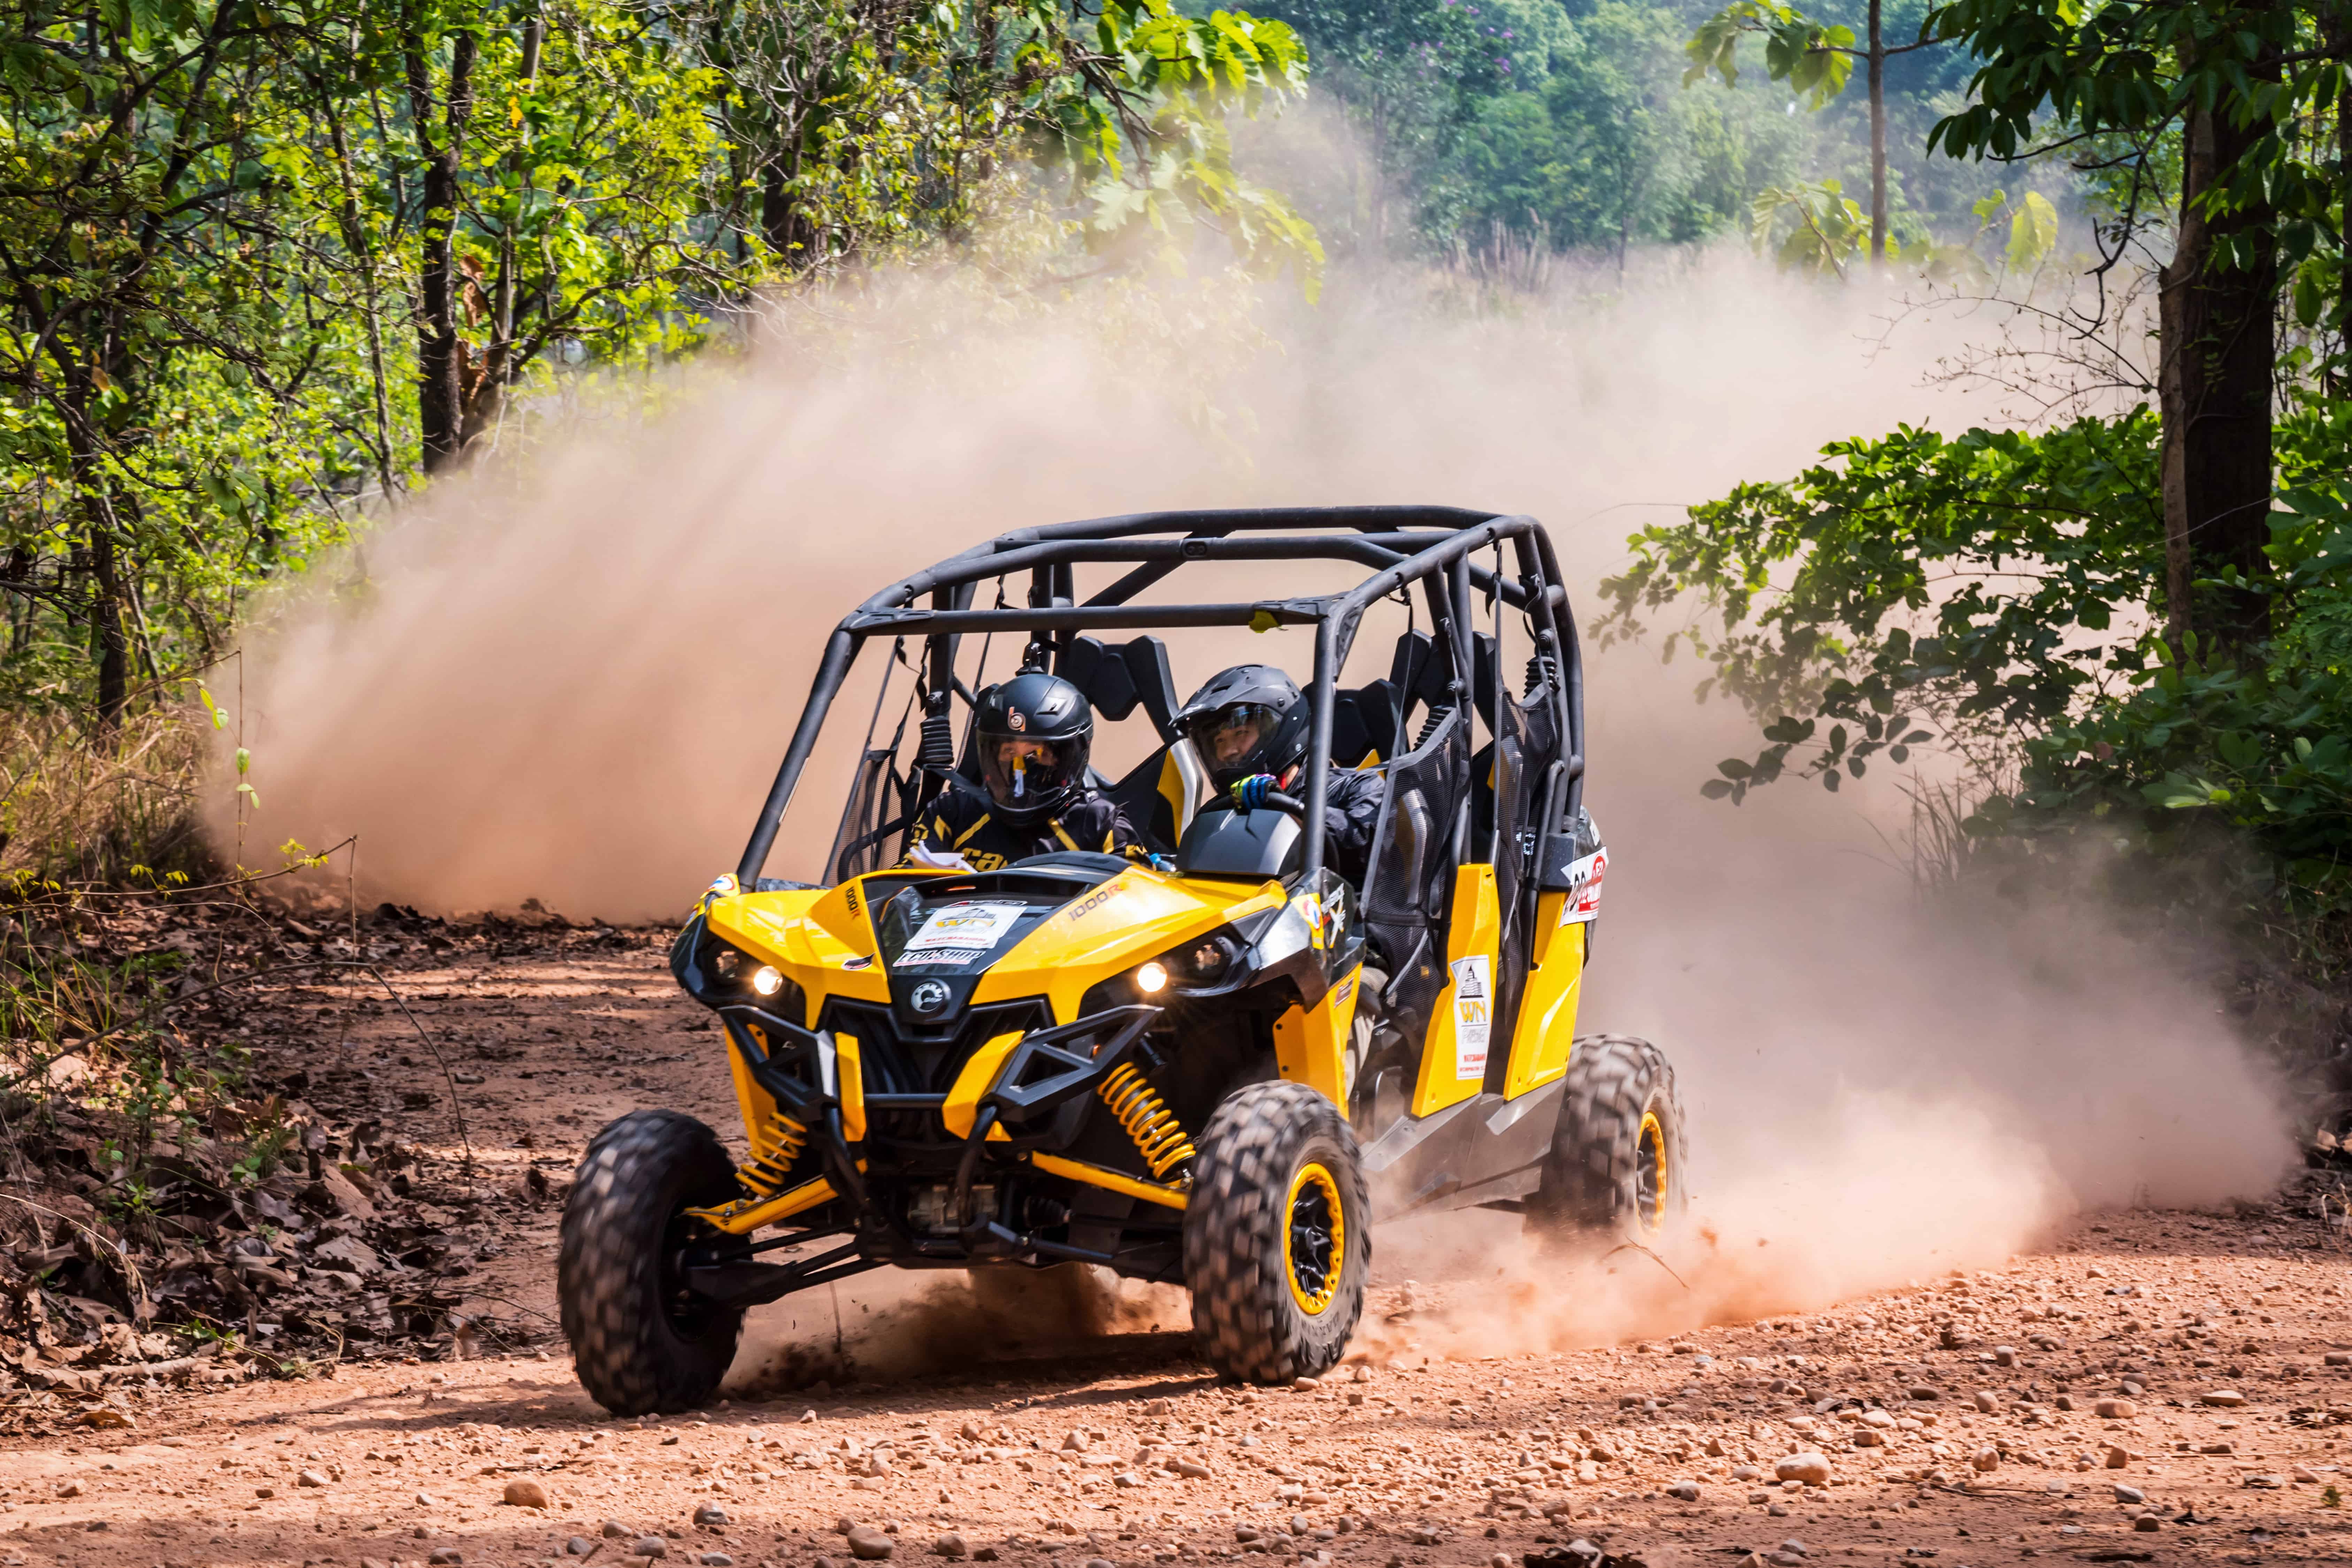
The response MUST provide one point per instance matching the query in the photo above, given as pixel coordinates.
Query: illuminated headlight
(767, 980)
(1152, 977)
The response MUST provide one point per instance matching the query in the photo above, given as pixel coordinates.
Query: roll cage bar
(1431, 545)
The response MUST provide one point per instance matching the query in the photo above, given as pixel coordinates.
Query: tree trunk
(109, 644)
(1877, 138)
(440, 352)
(2214, 383)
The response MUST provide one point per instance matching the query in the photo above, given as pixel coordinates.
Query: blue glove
(1250, 792)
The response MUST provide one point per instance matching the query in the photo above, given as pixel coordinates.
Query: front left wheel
(1277, 1234)
(641, 1341)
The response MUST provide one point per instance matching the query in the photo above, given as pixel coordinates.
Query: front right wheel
(1615, 1168)
(1277, 1234)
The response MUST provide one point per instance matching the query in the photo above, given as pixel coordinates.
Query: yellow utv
(1217, 1067)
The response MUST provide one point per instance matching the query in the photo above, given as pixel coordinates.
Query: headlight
(1207, 960)
(1152, 977)
(767, 980)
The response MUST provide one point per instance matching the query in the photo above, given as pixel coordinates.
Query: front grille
(924, 1060)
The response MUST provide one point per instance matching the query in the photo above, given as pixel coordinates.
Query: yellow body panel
(1136, 915)
(1453, 1064)
(850, 1063)
(1311, 1044)
(978, 1076)
(1546, 1026)
(812, 938)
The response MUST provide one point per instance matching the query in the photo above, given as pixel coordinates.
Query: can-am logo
(929, 996)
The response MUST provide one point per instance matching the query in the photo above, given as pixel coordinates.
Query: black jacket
(965, 823)
(1351, 810)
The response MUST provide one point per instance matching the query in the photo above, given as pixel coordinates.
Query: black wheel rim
(1315, 1238)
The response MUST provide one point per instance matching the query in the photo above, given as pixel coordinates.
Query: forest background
(269, 268)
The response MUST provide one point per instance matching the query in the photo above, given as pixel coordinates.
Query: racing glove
(1250, 794)
(931, 859)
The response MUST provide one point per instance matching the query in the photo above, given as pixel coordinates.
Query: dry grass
(80, 807)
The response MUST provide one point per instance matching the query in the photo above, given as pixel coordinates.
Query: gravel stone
(868, 1544)
(525, 1494)
(1812, 1470)
(650, 1546)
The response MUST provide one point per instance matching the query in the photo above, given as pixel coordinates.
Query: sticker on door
(1474, 1005)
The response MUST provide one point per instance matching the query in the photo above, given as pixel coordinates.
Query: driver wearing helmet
(1249, 725)
(1033, 734)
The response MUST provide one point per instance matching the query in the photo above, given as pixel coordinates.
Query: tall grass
(106, 806)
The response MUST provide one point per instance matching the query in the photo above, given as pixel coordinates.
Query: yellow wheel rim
(1314, 1238)
(1651, 1176)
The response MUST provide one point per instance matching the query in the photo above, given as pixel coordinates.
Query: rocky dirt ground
(2145, 1387)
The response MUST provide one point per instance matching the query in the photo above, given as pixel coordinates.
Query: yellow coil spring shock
(765, 1174)
(1147, 1119)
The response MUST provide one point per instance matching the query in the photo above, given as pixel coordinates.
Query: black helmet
(1035, 733)
(1248, 720)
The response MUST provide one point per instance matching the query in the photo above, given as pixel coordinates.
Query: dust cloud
(571, 677)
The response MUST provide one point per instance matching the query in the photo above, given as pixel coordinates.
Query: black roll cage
(1432, 545)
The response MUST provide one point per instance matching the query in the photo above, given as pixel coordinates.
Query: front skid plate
(1480, 1149)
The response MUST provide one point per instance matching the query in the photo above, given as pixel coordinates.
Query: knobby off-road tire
(640, 1343)
(1278, 1236)
(1615, 1170)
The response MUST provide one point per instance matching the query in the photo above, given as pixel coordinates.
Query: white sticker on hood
(1584, 888)
(1474, 1013)
(960, 932)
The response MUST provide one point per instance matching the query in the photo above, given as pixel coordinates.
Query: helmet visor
(1226, 738)
(1025, 774)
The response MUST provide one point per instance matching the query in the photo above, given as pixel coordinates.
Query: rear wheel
(1277, 1238)
(641, 1341)
(1615, 1170)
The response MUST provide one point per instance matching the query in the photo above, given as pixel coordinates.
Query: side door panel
(1547, 1021)
(1461, 1027)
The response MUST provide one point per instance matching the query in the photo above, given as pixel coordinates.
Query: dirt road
(1966, 1419)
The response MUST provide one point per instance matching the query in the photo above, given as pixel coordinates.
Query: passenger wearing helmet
(1033, 734)
(1249, 725)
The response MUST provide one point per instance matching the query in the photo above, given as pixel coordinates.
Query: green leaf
(2032, 232)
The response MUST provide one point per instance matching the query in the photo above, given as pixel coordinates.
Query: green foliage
(1808, 228)
(2262, 748)
(264, 262)
(1605, 150)
(1814, 59)
(1987, 581)
(1995, 593)
(2118, 82)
